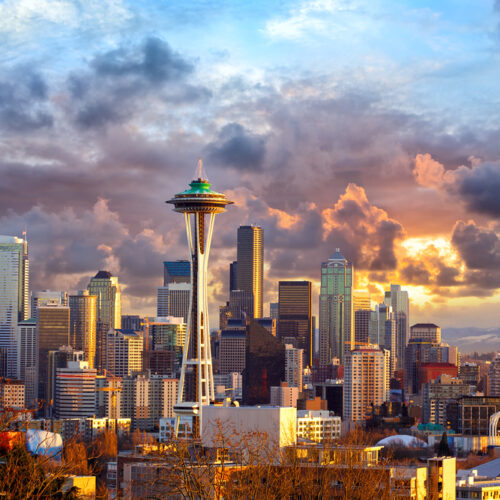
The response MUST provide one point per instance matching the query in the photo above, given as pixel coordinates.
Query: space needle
(199, 204)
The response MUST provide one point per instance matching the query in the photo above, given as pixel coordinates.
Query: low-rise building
(319, 426)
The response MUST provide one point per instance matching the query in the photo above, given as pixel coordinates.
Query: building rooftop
(102, 275)
(337, 255)
(424, 325)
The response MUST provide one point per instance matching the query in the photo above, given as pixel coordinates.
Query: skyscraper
(27, 359)
(199, 204)
(124, 352)
(233, 276)
(250, 264)
(336, 335)
(14, 293)
(47, 298)
(398, 300)
(83, 324)
(109, 310)
(366, 381)
(295, 316)
(53, 332)
(176, 271)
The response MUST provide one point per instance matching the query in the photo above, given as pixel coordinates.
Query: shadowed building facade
(264, 365)
(295, 316)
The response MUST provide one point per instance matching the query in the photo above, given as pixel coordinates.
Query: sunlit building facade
(27, 359)
(109, 309)
(14, 299)
(250, 264)
(83, 324)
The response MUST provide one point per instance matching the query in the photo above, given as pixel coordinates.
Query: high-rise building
(83, 324)
(269, 324)
(176, 271)
(53, 332)
(294, 366)
(494, 377)
(14, 304)
(336, 335)
(131, 322)
(57, 359)
(108, 396)
(75, 391)
(398, 300)
(173, 300)
(250, 267)
(426, 331)
(295, 316)
(12, 394)
(378, 318)
(233, 276)
(199, 204)
(362, 326)
(390, 343)
(264, 365)
(47, 298)
(232, 347)
(241, 304)
(283, 395)
(274, 310)
(366, 382)
(109, 311)
(361, 300)
(27, 359)
(124, 352)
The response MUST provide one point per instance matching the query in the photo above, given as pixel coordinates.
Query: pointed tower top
(200, 174)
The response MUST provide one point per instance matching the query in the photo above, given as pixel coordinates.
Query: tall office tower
(164, 334)
(270, 324)
(27, 359)
(14, 293)
(294, 366)
(233, 276)
(232, 348)
(494, 377)
(426, 331)
(361, 300)
(200, 205)
(131, 322)
(398, 300)
(418, 351)
(295, 316)
(366, 382)
(241, 304)
(224, 315)
(176, 271)
(390, 343)
(58, 359)
(174, 301)
(47, 298)
(109, 311)
(75, 391)
(274, 310)
(250, 267)
(83, 324)
(336, 335)
(264, 365)
(378, 319)
(362, 326)
(53, 332)
(124, 352)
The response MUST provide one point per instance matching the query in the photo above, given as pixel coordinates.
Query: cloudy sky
(368, 125)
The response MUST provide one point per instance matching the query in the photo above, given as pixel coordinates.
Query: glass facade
(335, 309)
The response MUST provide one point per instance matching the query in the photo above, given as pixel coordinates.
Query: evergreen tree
(443, 448)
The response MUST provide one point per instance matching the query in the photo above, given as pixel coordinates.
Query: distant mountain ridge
(471, 339)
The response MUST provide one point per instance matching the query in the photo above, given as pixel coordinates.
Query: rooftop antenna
(200, 171)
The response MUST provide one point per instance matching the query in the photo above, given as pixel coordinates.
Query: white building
(124, 352)
(75, 390)
(14, 303)
(319, 426)
(253, 425)
(284, 395)
(27, 359)
(366, 381)
(173, 300)
(294, 366)
(494, 377)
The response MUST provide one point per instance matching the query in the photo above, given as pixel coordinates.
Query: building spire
(200, 173)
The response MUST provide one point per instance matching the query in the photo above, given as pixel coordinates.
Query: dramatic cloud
(477, 185)
(238, 148)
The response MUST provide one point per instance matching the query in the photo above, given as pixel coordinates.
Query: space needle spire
(199, 204)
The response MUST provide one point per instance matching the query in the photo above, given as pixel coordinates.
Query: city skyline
(375, 135)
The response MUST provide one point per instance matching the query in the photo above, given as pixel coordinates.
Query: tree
(443, 448)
